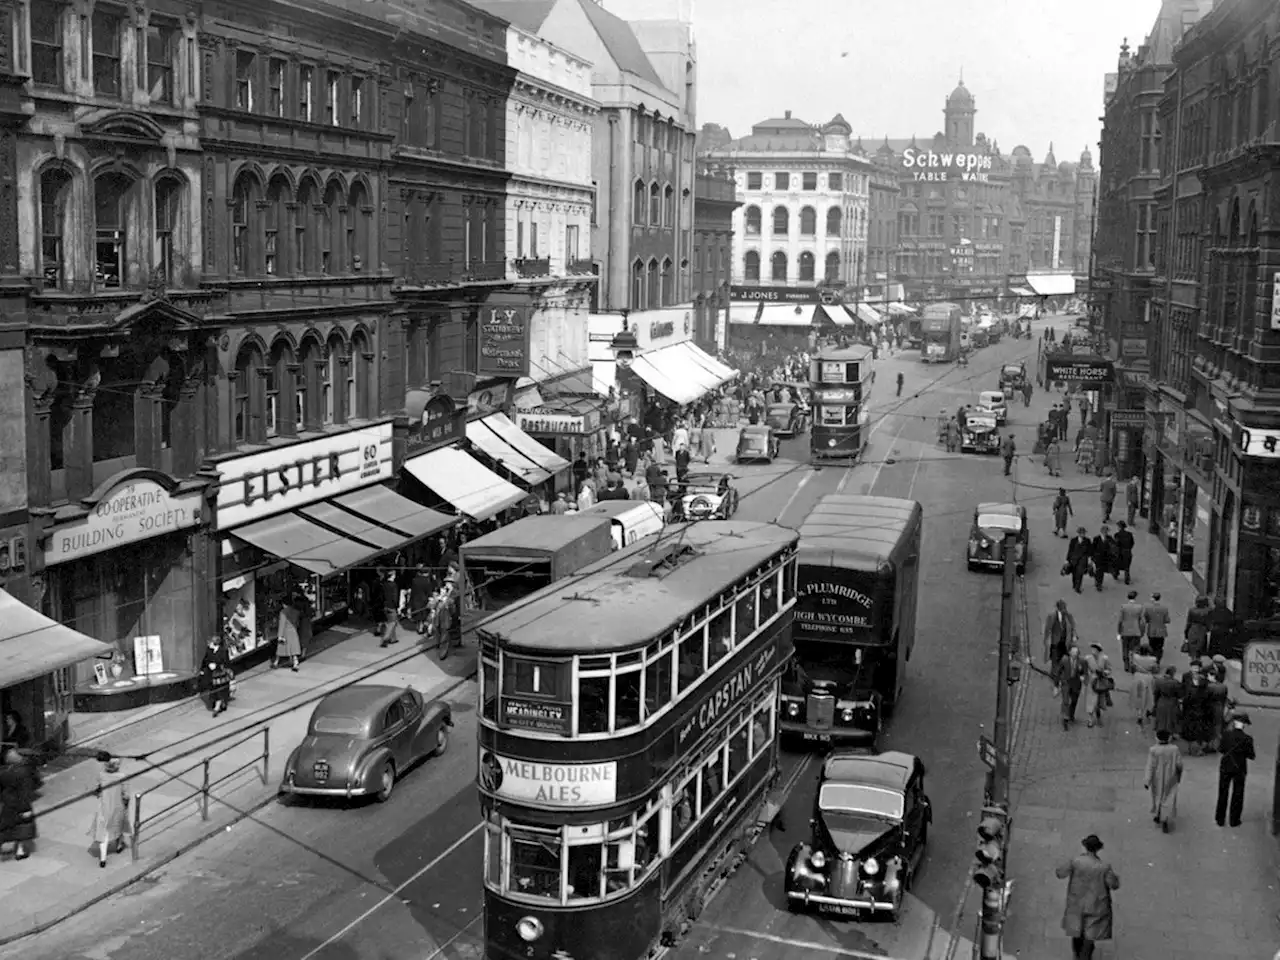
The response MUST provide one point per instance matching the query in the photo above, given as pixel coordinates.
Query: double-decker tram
(628, 739)
(840, 382)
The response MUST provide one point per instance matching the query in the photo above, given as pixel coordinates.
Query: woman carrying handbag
(1099, 684)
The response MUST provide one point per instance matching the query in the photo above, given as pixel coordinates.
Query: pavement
(1201, 891)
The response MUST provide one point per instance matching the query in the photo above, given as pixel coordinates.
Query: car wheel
(442, 741)
(387, 782)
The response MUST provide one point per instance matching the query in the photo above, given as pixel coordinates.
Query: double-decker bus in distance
(913, 332)
(840, 381)
(628, 739)
(855, 621)
(940, 332)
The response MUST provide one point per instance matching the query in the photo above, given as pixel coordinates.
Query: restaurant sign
(503, 342)
(1128, 418)
(136, 510)
(1079, 371)
(555, 784)
(550, 423)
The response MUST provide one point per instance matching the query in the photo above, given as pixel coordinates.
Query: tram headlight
(831, 442)
(529, 928)
(847, 716)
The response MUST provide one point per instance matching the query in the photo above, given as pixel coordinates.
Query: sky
(1035, 69)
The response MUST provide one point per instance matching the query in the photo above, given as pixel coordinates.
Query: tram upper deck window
(658, 672)
(593, 704)
(626, 690)
(789, 581)
(768, 607)
(720, 636)
(692, 665)
(744, 620)
(523, 677)
(739, 751)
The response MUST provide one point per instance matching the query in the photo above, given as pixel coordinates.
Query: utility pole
(993, 828)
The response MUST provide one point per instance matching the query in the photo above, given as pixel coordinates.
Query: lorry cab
(629, 520)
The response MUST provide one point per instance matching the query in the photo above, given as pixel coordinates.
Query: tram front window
(593, 704)
(627, 692)
(585, 865)
(535, 864)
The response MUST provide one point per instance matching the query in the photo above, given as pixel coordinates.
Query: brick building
(1213, 424)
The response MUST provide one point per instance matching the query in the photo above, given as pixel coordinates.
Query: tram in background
(840, 382)
(628, 739)
(941, 326)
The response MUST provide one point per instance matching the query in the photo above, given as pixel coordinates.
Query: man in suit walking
(1233, 768)
(1079, 549)
(1155, 617)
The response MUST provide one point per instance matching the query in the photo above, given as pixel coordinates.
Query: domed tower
(835, 134)
(1086, 159)
(960, 112)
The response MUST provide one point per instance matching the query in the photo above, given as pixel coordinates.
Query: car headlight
(871, 866)
(818, 859)
(793, 709)
(984, 543)
(847, 716)
(529, 928)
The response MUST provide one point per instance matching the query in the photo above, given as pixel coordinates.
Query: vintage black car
(757, 441)
(981, 434)
(1013, 375)
(870, 829)
(786, 419)
(991, 521)
(363, 738)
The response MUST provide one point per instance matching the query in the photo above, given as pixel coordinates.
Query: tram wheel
(388, 782)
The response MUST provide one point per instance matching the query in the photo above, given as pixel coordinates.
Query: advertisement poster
(148, 659)
(239, 628)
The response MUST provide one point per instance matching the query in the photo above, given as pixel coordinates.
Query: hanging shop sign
(1128, 418)
(555, 784)
(558, 424)
(136, 510)
(487, 400)
(1079, 371)
(263, 484)
(503, 342)
(1260, 444)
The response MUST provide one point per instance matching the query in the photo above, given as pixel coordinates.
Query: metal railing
(204, 791)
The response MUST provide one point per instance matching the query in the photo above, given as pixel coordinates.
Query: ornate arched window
(778, 266)
(275, 228)
(806, 267)
(652, 292)
(832, 272)
(667, 294)
(668, 206)
(359, 213)
(834, 221)
(752, 221)
(808, 222)
(360, 378)
(655, 205)
(278, 388)
(167, 204)
(115, 229)
(781, 221)
(751, 267)
(307, 387)
(637, 285)
(244, 211)
(331, 229)
(55, 195)
(303, 253)
(245, 412)
(333, 373)
(638, 202)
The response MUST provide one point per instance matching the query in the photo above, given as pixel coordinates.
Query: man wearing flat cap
(1090, 880)
(1236, 747)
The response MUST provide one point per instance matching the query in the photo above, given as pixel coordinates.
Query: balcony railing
(581, 268)
(533, 267)
(445, 273)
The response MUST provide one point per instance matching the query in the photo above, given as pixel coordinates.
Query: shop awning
(864, 313)
(547, 461)
(494, 446)
(900, 310)
(1052, 284)
(386, 507)
(675, 373)
(604, 376)
(463, 481)
(1021, 292)
(304, 543)
(722, 372)
(786, 315)
(32, 644)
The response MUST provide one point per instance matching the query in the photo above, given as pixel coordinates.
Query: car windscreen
(857, 800)
(976, 425)
(704, 487)
(1013, 370)
(338, 726)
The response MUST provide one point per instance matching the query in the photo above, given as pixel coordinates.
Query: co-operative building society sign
(931, 166)
(137, 510)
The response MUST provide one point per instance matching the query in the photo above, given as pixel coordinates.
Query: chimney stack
(788, 114)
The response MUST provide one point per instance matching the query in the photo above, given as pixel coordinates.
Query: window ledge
(235, 113)
(308, 279)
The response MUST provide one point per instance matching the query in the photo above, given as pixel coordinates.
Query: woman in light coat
(1163, 774)
(111, 819)
(1142, 694)
(288, 639)
(1095, 700)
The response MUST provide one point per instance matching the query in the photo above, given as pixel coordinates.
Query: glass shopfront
(1257, 576)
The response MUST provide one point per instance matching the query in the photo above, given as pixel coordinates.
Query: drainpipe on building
(606, 275)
